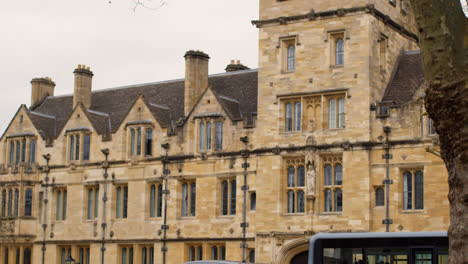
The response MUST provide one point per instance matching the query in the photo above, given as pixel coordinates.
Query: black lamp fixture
(70, 260)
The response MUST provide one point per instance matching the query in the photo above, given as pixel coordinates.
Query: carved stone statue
(311, 174)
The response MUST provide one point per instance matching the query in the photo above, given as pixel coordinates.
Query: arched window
(15, 209)
(192, 254)
(4, 203)
(253, 201)
(291, 177)
(288, 117)
(327, 175)
(214, 253)
(200, 253)
(301, 176)
(300, 201)
(379, 197)
(224, 198)
(338, 174)
(407, 191)
(28, 202)
(27, 256)
(222, 253)
(328, 200)
(339, 52)
(338, 200)
(297, 116)
(252, 256)
(153, 201)
(291, 202)
(291, 57)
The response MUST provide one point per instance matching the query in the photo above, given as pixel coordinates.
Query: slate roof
(406, 78)
(236, 91)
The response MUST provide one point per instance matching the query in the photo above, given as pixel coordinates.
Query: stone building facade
(329, 128)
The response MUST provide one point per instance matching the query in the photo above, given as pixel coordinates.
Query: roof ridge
(97, 112)
(228, 98)
(42, 114)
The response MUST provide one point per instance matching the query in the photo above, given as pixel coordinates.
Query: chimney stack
(83, 84)
(196, 77)
(40, 89)
(236, 66)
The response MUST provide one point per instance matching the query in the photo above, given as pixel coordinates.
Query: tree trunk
(443, 32)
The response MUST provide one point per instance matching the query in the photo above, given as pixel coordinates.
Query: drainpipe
(166, 172)
(105, 165)
(387, 156)
(46, 169)
(245, 187)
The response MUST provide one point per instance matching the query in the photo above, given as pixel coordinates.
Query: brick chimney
(196, 77)
(236, 66)
(83, 84)
(40, 89)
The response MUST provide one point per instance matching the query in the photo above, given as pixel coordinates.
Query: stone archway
(293, 250)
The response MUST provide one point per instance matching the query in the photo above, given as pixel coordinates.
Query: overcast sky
(49, 38)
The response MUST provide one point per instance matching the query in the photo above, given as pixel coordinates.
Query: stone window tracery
(156, 197)
(141, 140)
(93, 202)
(126, 254)
(333, 183)
(189, 194)
(295, 185)
(336, 111)
(413, 190)
(228, 197)
(60, 204)
(121, 208)
(292, 114)
(79, 146)
(21, 149)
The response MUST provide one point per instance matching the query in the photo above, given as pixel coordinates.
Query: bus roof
(364, 235)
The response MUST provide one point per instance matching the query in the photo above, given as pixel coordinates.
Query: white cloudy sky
(122, 47)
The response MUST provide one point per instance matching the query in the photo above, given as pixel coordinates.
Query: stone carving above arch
(290, 249)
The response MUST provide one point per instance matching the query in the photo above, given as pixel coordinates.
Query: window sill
(293, 214)
(287, 72)
(191, 218)
(91, 220)
(156, 218)
(336, 66)
(290, 132)
(334, 129)
(330, 213)
(415, 211)
(119, 220)
(226, 216)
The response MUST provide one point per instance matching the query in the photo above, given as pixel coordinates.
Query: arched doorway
(300, 258)
(294, 251)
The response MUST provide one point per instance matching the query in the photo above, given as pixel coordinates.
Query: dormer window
(79, 145)
(22, 149)
(141, 138)
(207, 127)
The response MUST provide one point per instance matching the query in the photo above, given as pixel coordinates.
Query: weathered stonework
(275, 233)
